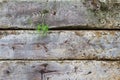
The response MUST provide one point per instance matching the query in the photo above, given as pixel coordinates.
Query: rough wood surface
(60, 45)
(85, 13)
(58, 70)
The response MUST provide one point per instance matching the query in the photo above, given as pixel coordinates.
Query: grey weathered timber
(58, 70)
(76, 13)
(60, 45)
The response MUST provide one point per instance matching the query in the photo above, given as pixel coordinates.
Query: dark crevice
(59, 59)
(81, 28)
(78, 27)
(14, 28)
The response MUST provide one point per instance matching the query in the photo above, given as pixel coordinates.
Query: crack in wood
(59, 60)
(69, 27)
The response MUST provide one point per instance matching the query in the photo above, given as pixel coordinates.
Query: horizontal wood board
(97, 45)
(91, 14)
(67, 70)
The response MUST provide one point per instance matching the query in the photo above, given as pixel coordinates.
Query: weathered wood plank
(60, 45)
(85, 13)
(58, 70)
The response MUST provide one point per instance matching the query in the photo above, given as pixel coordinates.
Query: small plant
(42, 28)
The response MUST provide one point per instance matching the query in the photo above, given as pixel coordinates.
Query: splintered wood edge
(96, 45)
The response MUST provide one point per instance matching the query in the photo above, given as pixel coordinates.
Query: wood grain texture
(80, 13)
(58, 70)
(60, 45)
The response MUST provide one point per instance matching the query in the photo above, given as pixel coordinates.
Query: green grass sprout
(42, 28)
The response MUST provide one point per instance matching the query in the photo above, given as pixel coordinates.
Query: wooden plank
(58, 70)
(76, 13)
(60, 45)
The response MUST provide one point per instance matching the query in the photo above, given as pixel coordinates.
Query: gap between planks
(61, 29)
(59, 59)
(65, 28)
